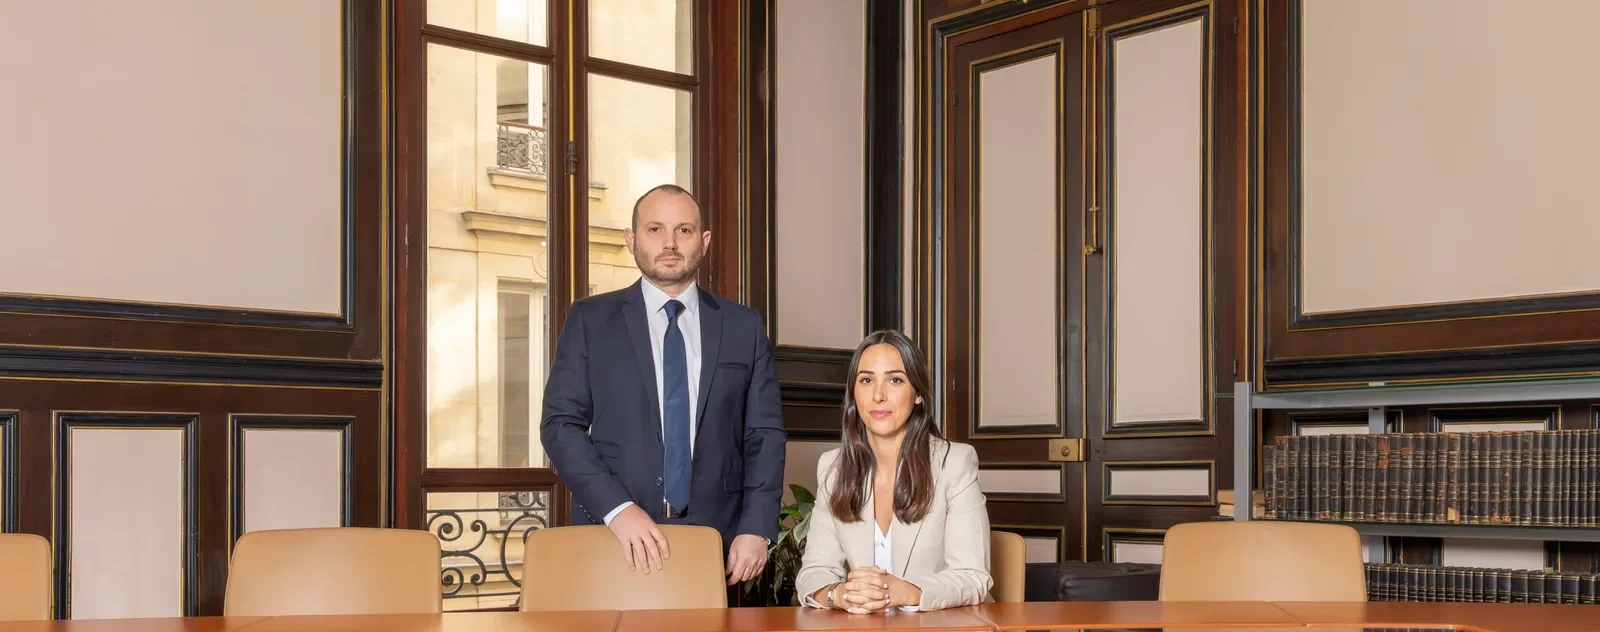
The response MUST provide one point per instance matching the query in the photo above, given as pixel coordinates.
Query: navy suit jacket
(602, 423)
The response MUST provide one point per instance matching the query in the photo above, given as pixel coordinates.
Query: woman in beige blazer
(899, 521)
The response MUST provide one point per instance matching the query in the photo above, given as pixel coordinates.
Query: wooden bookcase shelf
(1376, 398)
(1476, 531)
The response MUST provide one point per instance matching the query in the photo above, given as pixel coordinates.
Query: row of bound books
(1531, 478)
(1412, 582)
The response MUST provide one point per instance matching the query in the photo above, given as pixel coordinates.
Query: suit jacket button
(658, 481)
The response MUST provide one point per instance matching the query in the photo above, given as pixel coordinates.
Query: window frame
(717, 84)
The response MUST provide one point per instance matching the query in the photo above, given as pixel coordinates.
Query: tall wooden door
(1012, 356)
(1077, 329)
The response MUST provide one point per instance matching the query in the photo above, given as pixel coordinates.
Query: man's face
(667, 241)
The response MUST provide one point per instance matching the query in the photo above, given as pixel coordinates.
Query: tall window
(540, 123)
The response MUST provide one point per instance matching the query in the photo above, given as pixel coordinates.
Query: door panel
(1151, 402)
(1013, 360)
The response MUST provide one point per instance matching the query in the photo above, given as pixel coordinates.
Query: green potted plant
(783, 559)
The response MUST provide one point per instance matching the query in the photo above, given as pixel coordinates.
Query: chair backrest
(334, 571)
(25, 577)
(1262, 560)
(581, 568)
(1008, 557)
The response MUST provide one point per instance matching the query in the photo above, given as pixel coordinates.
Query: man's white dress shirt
(655, 307)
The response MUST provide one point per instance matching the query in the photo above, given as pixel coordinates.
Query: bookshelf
(1376, 398)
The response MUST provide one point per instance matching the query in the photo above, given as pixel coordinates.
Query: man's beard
(690, 268)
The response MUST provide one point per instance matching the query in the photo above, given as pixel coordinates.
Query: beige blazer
(946, 554)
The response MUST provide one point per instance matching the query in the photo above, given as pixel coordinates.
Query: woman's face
(884, 397)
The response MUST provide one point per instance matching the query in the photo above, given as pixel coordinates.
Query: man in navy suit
(662, 406)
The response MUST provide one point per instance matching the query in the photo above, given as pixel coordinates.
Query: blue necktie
(677, 470)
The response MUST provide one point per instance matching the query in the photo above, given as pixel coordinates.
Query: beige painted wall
(1450, 148)
(820, 168)
(173, 151)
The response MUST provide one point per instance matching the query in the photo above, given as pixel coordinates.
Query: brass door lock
(1066, 449)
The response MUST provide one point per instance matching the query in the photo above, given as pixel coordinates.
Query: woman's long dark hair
(913, 485)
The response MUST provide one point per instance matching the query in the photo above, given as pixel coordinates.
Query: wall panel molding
(355, 332)
(1468, 340)
(66, 425)
(106, 364)
(237, 451)
(8, 471)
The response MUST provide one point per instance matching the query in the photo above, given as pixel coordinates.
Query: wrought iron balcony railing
(474, 543)
(524, 148)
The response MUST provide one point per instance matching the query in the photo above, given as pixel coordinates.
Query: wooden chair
(581, 568)
(334, 571)
(1262, 560)
(25, 577)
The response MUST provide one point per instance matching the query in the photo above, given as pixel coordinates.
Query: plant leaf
(801, 494)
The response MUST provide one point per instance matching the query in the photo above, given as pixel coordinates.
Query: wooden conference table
(1053, 616)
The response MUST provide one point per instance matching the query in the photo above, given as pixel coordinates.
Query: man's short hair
(668, 188)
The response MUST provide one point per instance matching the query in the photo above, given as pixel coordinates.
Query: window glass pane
(487, 261)
(653, 33)
(517, 20)
(480, 544)
(640, 136)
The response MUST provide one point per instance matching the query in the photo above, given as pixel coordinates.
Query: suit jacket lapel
(903, 538)
(905, 535)
(639, 335)
(710, 345)
(860, 536)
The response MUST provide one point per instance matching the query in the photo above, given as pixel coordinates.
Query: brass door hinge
(1066, 450)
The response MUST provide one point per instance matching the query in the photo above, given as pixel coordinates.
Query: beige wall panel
(293, 479)
(1160, 482)
(820, 195)
(800, 465)
(1158, 214)
(1018, 381)
(1512, 554)
(127, 522)
(1039, 550)
(184, 151)
(1136, 552)
(1464, 126)
(998, 481)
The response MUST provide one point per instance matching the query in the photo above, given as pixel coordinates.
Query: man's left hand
(747, 556)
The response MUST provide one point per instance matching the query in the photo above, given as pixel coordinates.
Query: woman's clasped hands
(871, 589)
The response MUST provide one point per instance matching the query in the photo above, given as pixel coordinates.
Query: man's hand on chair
(643, 545)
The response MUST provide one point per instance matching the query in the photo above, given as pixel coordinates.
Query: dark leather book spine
(1431, 456)
(1527, 444)
(1519, 586)
(1269, 479)
(1474, 484)
(1551, 483)
(1453, 477)
(1498, 477)
(1591, 477)
(1302, 481)
(1503, 590)
(1319, 462)
(1380, 483)
(1347, 478)
(1569, 587)
(1330, 478)
(1586, 587)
